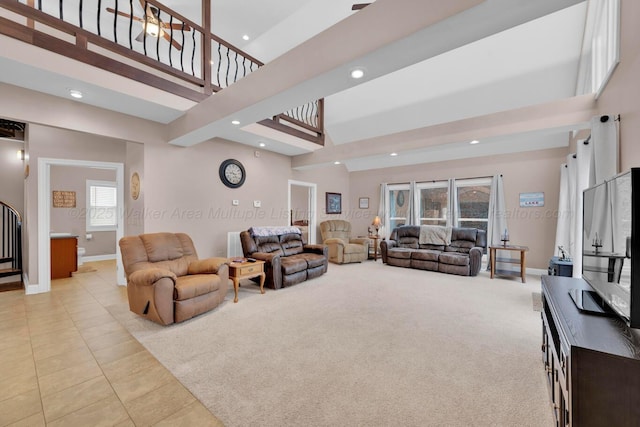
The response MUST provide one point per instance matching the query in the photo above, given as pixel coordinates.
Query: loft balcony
(145, 41)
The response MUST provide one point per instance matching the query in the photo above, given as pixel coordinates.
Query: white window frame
(471, 183)
(89, 209)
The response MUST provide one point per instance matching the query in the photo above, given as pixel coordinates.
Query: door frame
(44, 217)
(311, 203)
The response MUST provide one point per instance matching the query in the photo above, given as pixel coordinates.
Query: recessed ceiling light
(357, 73)
(336, 162)
(75, 93)
(475, 141)
(262, 144)
(235, 122)
(245, 37)
(393, 154)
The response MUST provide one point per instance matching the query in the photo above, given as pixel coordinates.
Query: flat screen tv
(611, 247)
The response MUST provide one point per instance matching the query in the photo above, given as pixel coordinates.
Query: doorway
(302, 203)
(44, 217)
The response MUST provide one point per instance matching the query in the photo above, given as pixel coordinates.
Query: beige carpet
(364, 345)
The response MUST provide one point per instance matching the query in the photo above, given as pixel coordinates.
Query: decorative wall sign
(363, 203)
(334, 203)
(64, 199)
(531, 200)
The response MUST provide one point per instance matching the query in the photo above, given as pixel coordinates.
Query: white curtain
(452, 219)
(565, 231)
(497, 223)
(382, 210)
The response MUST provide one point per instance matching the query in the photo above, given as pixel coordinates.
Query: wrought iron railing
(176, 54)
(11, 245)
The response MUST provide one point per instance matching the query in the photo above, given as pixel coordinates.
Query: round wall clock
(135, 186)
(232, 173)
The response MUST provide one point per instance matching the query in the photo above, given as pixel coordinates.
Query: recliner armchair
(336, 234)
(166, 282)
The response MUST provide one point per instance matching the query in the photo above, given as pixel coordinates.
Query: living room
(181, 189)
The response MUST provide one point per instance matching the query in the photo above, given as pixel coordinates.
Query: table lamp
(376, 223)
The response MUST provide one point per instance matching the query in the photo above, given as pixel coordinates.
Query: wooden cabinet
(592, 363)
(64, 256)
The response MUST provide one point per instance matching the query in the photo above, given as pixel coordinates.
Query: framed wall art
(334, 203)
(363, 203)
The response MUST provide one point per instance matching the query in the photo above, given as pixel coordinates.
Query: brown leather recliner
(336, 234)
(166, 282)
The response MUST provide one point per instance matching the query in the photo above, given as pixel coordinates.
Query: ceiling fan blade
(126, 15)
(168, 38)
(176, 26)
(359, 6)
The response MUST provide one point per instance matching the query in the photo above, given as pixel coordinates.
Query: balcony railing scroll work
(148, 42)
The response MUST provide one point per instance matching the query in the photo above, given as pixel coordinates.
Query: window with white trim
(473, 202)
(398, 205)
(102, 206)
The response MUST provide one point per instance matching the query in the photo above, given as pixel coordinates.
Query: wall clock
(232, 173)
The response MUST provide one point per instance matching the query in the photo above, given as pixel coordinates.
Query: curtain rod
(435, 180)
(603, 119)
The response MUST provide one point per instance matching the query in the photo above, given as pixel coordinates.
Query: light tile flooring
(65, 361)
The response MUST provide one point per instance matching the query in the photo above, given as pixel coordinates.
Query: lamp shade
(376, 222)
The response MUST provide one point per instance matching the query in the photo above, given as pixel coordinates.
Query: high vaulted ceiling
(438, 74)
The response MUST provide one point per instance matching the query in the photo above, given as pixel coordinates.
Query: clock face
(232, 173)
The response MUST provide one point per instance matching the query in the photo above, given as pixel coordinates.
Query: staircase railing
(11, 245)
(148, 42)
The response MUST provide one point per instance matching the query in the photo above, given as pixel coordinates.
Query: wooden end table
(375, 246)
(246, 270)
(515, 261)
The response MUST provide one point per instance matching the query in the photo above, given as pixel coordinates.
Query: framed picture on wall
(363, 203)
(334, 203)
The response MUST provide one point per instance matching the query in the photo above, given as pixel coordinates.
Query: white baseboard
(98, 257)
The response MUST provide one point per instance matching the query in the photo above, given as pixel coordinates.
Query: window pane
(102, 206)
(473, 202)
(433, 205)
(398, 207)
(480, 225)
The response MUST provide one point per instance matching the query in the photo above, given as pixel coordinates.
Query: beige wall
(134, 209)
(622, 93)
(524, 172)
(74, 220)
(49, 142)
(183, 192)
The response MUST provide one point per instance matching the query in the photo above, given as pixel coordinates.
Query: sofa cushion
(461, 233)
(313, 260)
(462, 246)
(453, 259)
(291, 244)
(188, 287)
(432, 247)
(293, 264)
(401, 253)
(425, 255)
(408, 242)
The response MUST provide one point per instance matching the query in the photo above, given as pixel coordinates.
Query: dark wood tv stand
(592, 362)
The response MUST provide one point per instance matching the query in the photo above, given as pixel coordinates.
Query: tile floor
(65, 361)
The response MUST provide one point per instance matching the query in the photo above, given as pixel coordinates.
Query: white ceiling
(501, 55)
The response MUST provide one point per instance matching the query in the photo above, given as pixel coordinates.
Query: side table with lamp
(519, 261)
(375, 237)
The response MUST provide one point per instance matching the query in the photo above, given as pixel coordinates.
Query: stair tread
(4, 272)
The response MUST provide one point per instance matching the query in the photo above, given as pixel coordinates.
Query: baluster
(182, 51)
(171, 38)
(80, 13)
(40, 5)
(144, 32)
(226, 79)
(131, 24)
(158, 37)
(61, 3)
(244, 68)
(193, 52)
(115, 23)
(235, 75)
(219, 65)
(98, 17)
